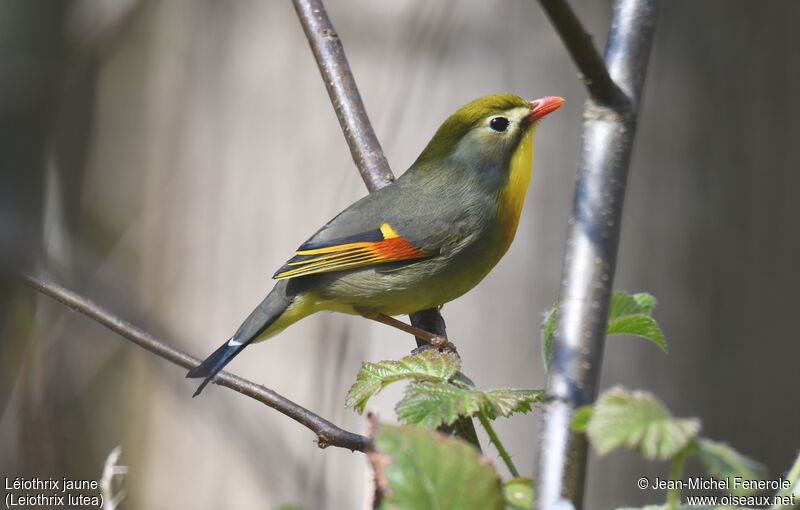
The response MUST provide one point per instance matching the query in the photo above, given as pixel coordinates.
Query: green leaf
(547, 329)
(647, 302)
(722, 461)
(639, 421)
(430, 365)
(432, 404)
(581, 418)
(419, 469)
(518, 493)
(622, 303)
(630, 315)
(507, 401)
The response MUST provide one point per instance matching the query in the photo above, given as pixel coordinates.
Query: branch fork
(614, 84)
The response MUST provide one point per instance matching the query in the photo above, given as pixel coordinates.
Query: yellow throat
(512, 196)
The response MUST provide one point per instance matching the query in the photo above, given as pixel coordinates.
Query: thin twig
(342, 89)
(581, 48)
(591, 256)
(327, 433)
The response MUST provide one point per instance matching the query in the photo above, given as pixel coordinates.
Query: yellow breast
(512, 196)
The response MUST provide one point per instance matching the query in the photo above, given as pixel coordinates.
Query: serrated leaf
(419, 469)
(509, 401)
(638, 325)
(432, 404)
(580, 419)
(638, 420)
(630, 315)
(430, 365)
(722, 461)
(518, 493)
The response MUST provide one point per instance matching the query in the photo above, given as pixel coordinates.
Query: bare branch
(591, 255)
(327, 433)
(581, 48)
(342, 89)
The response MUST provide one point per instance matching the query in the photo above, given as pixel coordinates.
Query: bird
(421, 241)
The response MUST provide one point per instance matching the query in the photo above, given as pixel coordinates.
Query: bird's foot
(439, 343)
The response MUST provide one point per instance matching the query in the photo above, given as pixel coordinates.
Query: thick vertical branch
(591, 252)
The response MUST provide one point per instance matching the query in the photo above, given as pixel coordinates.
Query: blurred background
(165, 157)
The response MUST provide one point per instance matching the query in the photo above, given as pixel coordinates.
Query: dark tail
(256, 323)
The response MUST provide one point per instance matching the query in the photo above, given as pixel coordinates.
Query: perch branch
(591, 255)
(579, 43)
(327, 433)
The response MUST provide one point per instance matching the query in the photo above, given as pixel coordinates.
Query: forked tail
(256, 324)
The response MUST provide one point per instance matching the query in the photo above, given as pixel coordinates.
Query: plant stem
(675, 473)
(327, 433)
(487, 426)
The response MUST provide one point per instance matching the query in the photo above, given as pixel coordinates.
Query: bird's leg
(402, 326)
(433, 340)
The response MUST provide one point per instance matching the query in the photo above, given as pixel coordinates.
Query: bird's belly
(420, 286)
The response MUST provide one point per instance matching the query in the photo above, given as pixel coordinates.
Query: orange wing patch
(368, 249)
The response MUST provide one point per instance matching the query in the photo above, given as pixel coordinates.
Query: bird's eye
(499, 124)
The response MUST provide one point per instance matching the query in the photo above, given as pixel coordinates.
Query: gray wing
(400, 224)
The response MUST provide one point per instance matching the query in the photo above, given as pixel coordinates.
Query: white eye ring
(499, 124)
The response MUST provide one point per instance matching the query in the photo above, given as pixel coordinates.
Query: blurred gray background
(165, 157)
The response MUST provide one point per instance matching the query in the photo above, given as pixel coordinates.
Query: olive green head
(487, 130)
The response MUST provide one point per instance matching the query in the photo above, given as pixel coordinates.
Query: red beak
(545, 105)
